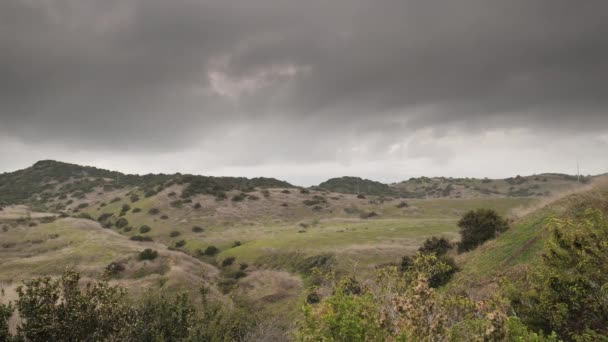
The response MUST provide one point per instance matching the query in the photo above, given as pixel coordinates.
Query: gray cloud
(271, 81)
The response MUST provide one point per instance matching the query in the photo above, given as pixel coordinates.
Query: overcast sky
(306, 90)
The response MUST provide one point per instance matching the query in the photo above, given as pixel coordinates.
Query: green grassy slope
(521, 245)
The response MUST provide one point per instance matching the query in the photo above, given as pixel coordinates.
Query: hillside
(541, 185)
(50, 180)
(520, 246)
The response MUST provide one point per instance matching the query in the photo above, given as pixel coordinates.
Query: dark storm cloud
(160, 75)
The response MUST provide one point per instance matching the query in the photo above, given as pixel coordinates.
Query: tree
(568, 292)
(478, 226)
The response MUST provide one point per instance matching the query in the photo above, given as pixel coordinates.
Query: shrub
(439, 246)
(198, 229)
(174, 233)
(180, 243)
(228, 261)
(313, 298)
(153, 211)
(164, 217)
(127, 229)
(125, 208)
(134, 198)
(285, 191)
(402, 307)
(266, 193)
(402, 205)
(197, 206)
(361, 196)
(114, 268)
(304, 191)
(566, 293)
(285, 205)
(148, 254)
(211, 250)
(236, 244)
(58, 310)
(144, 229)
(104, 217)
(239, 197)
(150, 193)
(82, 205)
(171, 194)
(367, 215)
(116, 199)
(140, 238)
(122, 222)
(478, 226)
(253, 197)
(136, 210)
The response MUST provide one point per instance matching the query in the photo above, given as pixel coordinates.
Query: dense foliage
(59, 310)
(478, 226)
(402, 307)
(568, 292)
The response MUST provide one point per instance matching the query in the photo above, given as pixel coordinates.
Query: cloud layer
(262, 84)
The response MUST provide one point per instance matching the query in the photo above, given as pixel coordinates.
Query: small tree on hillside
(478, 226)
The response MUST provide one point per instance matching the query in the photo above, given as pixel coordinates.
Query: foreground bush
(59, 310)
(568, 292)
(402, 307)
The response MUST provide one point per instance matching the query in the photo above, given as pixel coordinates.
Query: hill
(520, 246)
(47, 180)
(541, 185)
(356, 185)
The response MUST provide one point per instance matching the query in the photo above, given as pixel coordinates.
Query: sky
(306, 90)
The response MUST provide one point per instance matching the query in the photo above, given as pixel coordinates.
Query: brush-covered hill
(541, 185)
(521, 246)
(356, 185)
(50, 180)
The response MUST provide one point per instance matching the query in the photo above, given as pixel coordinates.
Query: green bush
(211, 250)
(148, 254)
(439, 246)
(478, 226)
(134, 198)
(122, 222)
(153, 211)
(174, 233)
(228, 261)
(567, 292)
(140, 238)
(144, 229)
(164, 217)
(198, 229)
(180, 243)
(136, 210)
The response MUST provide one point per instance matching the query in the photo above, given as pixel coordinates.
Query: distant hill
(446, 187)
(52, 179)
(356, 185)
(519, 186)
